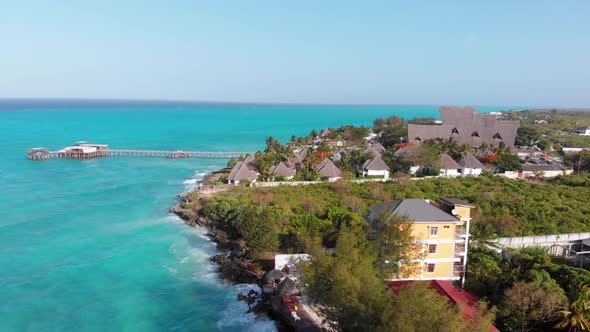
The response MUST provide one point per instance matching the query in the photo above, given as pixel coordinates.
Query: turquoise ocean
(89, 245)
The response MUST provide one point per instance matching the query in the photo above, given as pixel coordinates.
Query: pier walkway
(44, 154)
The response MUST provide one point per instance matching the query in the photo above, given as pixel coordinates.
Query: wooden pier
(87, 151)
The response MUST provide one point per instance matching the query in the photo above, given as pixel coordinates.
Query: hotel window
(430, 267)
(432, 248)
(433, 231)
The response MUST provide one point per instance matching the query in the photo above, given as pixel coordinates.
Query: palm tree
(578, 315)
(464, 149)
(451, 146)
(483, 237)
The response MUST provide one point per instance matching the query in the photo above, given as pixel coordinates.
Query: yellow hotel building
(441, 231)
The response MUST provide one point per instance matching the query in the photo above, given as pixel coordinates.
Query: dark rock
(249, 298)
(236, 269)
(273, 276)
(189, 216)
(287, 286)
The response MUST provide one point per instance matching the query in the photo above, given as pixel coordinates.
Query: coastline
(233, 266)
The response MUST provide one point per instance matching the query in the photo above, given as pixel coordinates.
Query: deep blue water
(90, 246)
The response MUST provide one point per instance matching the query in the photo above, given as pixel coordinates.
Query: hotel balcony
(460, 232)
(457, 270)
(460, 249)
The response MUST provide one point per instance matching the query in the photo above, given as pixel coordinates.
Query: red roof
(465, 299)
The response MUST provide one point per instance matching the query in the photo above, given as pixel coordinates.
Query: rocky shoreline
(236, 266)
(233, 265)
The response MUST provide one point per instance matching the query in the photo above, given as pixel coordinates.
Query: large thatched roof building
(466, 127)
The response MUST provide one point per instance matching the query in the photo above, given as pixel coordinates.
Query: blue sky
(520, 53)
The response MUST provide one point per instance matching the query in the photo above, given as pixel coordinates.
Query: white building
(448, 166)
(584, 131)
(376, 167)
(328, 170)
(243, 171)
(544, 170)
(281, 170)
(470, 165)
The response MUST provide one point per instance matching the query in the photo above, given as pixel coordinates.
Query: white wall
(471, 171)
(449, 172)
(282, 260)
(384, 174)
(509, 174)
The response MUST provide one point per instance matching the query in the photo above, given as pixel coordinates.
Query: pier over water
(84, 150)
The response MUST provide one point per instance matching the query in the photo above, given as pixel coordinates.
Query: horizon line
(261, 103)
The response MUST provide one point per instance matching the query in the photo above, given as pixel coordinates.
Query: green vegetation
(395, 130)
(530, 291)
(550, 129)
(507, 162)
(578, 180)
(505, 207)
(575, 141)
(580, 162)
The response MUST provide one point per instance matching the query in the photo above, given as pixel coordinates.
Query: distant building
(328, 170)
(543, 170)
(84, 150)
(372, 136)
(375, 149)
(470, 165)
(334, 143)
(281, 170)
(38, 153)
(527, 153)
(584, 131)
(448, 166)
(466, 127)
(441, 229)
(243, 171)
(575, 150)
(376, 167)
(300, 153)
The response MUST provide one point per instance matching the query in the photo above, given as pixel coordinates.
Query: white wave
(174, 218)
(191, 181)
(200, 174)
(235, 315)
(210, 278)
(200, 256)
(194, 264)
(171, 269)
(194, 182)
